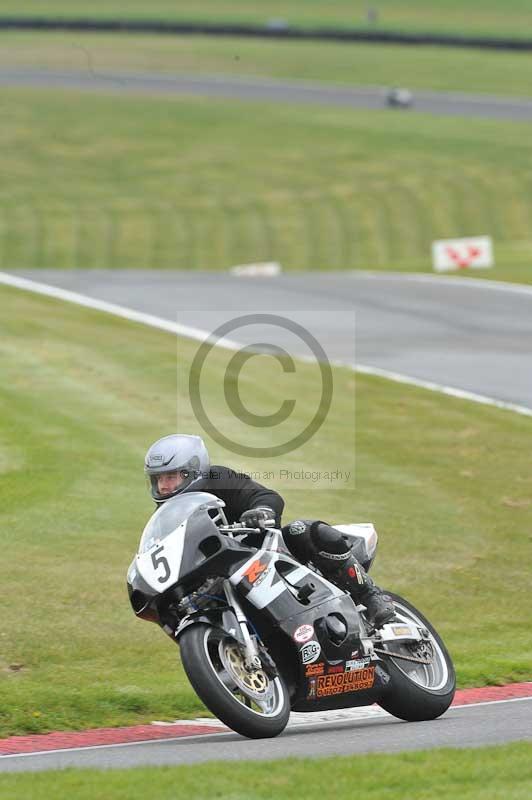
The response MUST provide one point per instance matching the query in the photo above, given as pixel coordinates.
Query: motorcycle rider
(180, 463)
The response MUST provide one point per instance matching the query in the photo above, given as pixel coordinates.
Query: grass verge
(83, 394)
(207, 184)
(430, 68)
(492, 773)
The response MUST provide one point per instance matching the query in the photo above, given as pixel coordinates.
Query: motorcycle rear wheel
(418, 692)
(251, 703)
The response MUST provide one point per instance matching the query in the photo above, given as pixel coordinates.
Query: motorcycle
(262, 635)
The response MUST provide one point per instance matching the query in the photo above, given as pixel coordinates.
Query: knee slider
(328, 539)
(332, 553)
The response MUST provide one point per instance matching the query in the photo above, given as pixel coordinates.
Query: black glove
(257, 517)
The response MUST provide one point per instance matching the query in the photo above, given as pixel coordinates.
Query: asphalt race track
(266, 90)
(463, 334)
(467, 334)
(466, 726)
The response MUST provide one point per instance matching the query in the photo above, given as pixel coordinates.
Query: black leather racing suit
(239, 493)
(309, 541)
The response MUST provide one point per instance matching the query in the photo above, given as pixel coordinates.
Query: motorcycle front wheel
(418, 691)
(250, 702)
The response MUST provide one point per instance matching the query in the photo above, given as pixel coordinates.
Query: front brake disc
(254, 683)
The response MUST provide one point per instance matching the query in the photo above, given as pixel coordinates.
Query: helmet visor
(167, 481)
(167, 484)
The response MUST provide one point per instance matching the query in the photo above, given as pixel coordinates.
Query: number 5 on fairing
(158, 560)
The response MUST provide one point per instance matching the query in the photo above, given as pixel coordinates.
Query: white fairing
(267, 591)
(363, 530)
(160, 565)
(271, 586)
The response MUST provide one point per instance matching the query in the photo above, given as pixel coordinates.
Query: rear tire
(253, 705)
(418, 692)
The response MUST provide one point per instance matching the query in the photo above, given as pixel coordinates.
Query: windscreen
(172, 513)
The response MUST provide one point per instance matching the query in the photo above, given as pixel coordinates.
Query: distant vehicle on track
(398, 97)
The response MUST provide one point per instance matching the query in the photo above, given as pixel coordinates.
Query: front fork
(234, 622)
(252, 659)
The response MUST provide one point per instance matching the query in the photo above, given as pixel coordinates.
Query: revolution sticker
(353, 681)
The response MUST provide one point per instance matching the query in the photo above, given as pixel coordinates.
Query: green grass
(445, 16)
(435, 68)
(97, 180)
(82, 395)
(492, 773)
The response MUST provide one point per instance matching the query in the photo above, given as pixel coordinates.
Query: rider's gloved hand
(257, 517)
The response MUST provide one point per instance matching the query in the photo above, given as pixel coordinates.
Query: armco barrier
(263, 31)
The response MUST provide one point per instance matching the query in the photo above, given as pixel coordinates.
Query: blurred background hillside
(111, 173)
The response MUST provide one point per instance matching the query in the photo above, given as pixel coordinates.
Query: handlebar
(240, 527)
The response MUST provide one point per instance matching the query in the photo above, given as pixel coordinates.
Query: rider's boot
(353, 578)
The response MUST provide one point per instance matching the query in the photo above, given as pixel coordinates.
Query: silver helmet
(176, 453)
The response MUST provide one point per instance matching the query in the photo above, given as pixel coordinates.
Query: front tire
(418, 692)
(252, 704)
